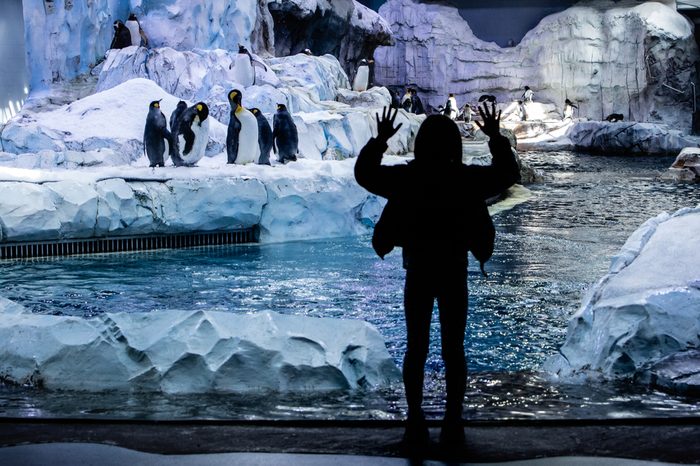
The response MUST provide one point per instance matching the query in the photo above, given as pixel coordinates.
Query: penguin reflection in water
(190, 128)
(264, 137)
(242, 136)
(157, 140)
(285, 138)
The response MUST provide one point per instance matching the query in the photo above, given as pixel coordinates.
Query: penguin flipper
(188, 134)
(232, 138)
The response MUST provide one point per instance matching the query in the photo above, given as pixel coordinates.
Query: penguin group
(128, 34)
(249, 138)
(185, 141)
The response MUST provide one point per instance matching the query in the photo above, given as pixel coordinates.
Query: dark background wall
(13, 72)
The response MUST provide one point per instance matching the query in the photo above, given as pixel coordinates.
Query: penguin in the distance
(244, 67)
(361, 80)
(122, 36)
(192, 134)
(157, 140)
(264, 137)
(285, 137)
(451, 109)
(132, 24)
(242, 136)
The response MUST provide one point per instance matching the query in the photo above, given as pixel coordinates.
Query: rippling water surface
(548, 252)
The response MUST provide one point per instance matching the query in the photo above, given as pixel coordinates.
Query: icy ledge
(301, 200)
(191, 352)
(646, 308)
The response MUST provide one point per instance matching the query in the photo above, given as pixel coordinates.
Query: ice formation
(632, 60)
(191, 352)
(646, 308)
(686, 168)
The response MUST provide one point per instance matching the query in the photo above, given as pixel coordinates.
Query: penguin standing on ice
(192, 134)
(122, 36)
(242, 136)
(264, 137)
(157, 140)
(361, 80)
(451, 109)
(138, 37)
(244, 67)
(285, 138)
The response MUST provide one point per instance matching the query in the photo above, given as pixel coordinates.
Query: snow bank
(646, 307)
(191, 352)
(108, 126)
(302, 200)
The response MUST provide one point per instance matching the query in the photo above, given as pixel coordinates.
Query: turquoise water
(549, 251)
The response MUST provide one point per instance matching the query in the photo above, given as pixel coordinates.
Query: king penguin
(361, 80)
(156, 137)
(285, 138)
(264, 137)
(192, 134)
(242, 136)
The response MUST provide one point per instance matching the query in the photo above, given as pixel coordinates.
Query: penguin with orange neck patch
(242, 137)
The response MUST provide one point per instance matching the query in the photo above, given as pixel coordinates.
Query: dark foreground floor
(668, 440)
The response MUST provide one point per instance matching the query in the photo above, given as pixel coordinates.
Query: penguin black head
(235, 97)
(202, 111)
(363, 62)
(527, 88)
(155, 104)
(254, 111)
(132, 17)
(242, 49)
(281, 108)
(118, 25)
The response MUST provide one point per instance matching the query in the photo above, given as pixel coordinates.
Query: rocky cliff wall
(67, 40)
(635, 60)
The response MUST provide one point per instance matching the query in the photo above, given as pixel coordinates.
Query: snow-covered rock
(686, 168)
(628, 138)
(646, 308)
(113, 119)
(189, 75)
(211, 25)
(301, 200)
(375, 97)
(606, 57)
(191, 352)
(80, 35)
(107, 127)
(343, 28)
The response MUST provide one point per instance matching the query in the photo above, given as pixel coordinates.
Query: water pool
(549, 251)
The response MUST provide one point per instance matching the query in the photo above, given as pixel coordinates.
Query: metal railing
(24, 250)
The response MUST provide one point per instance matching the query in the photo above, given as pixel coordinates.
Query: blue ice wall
(14, 84)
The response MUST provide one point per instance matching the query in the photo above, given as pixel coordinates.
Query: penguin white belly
(248, 147)
(133, 28)
(453, 108)
(361, 79)
(201, 139)
(243, 70)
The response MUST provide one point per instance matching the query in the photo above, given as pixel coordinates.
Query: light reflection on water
(549, 251)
